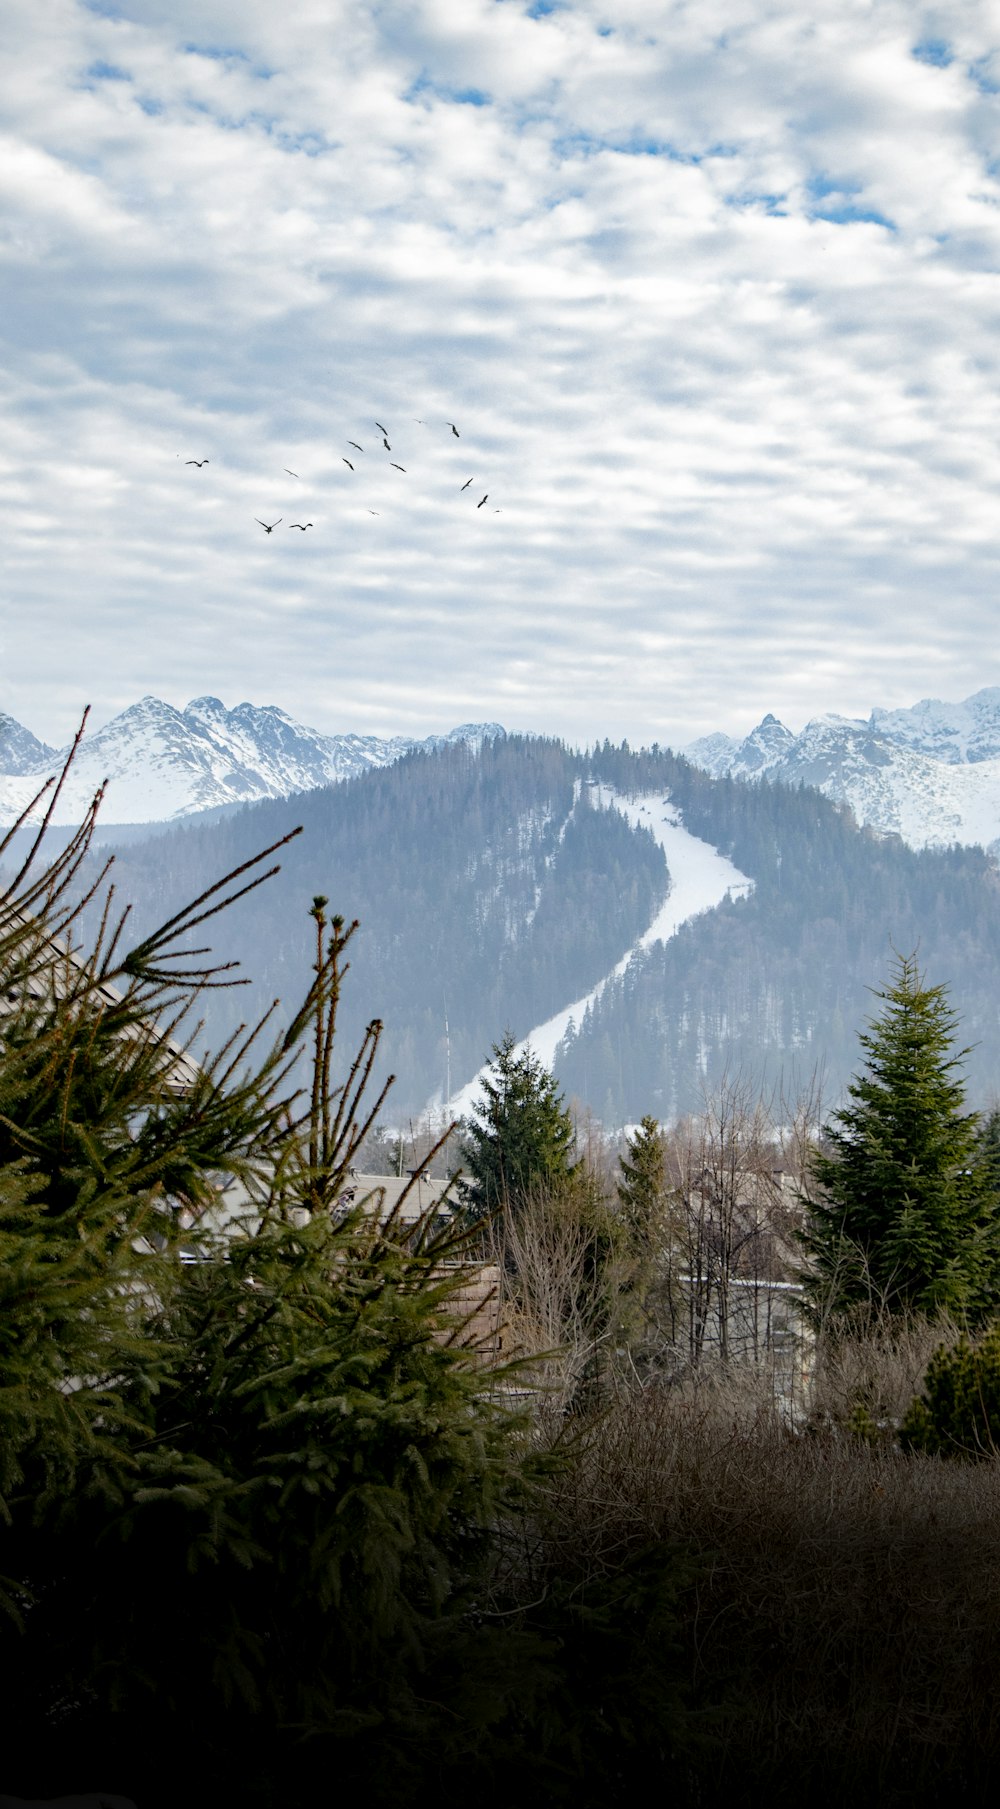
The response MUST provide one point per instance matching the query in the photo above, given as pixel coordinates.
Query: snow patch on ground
(700, 879)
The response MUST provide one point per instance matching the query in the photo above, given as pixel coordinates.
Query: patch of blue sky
(228, 53)
(107, 72)
(592, 144)
(762, 201)
(302, 144)
(835, 201)
(105, 9)
(464, 97)
(934, 51)
(984, 73)
(153, 107)
(849, 213)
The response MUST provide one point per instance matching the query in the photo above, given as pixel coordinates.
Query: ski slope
(700, 879)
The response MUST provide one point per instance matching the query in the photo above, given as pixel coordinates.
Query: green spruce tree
(519, 1141)
(642, 1186)
(904, 1220)
(247, 1498)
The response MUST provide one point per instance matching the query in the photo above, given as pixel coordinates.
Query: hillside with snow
(930, 774)
(700, 879)
(598, 906)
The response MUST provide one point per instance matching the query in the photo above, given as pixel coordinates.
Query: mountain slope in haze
(487, 882)
(163, 763)
(930, 774)
(777, 984)
(492, 893)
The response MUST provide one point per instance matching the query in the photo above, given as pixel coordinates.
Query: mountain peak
(930, 773)
(163, 764)
(20, 751)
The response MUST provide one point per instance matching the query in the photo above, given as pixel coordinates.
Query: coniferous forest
(490, 894)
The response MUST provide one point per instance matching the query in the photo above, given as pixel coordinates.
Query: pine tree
(650, 1301)
(248, 1493)
(520, 1139)
(103, 1152)
(642, 1185)
(905, 1220)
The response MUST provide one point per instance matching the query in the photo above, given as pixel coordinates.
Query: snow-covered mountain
(162, 763)
(20, 751)
(931, 774)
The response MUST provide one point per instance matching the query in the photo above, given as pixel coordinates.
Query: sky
(709, 289)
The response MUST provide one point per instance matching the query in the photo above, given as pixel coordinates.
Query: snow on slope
(162, 764)
(700, 878)
(930, 774)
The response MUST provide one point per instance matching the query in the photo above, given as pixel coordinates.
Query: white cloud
(709, 289)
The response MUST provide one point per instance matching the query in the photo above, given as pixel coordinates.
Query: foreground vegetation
(267, 1517)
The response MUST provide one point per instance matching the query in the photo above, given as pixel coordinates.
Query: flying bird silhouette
(381, 428)
(354, 443)
(480, 504)
(373, 511)
(300, 524)
(347, 462)
(291, 473)
(198, 462)
(395, 466)
(466, 484)
(386, 444)
(454, 429)
(263, 524)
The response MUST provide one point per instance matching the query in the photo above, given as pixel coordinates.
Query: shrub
(958, 1412)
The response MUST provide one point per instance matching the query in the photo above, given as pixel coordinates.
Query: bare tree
(730, 1220)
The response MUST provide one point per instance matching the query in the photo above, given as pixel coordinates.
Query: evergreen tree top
(906, 1218)
(521, 1136)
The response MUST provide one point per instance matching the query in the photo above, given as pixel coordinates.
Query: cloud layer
(710, 290)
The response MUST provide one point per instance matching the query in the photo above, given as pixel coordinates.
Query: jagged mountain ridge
(163, 764)
(930, 774)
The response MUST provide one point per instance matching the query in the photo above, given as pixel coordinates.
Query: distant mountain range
(162, 764)
(930, 774)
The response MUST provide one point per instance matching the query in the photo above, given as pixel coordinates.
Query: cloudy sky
(709, 288)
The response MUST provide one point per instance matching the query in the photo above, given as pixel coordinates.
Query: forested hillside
(777, 982)
(489, 891)
(492, 892)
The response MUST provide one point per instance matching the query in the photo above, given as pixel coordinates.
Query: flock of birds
(269, 526)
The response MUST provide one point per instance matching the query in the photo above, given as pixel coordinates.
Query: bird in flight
(300, 524)
(466, 484)
(291, 473)
(386, 444)
(347, 462)
(198, 462)
(263, 524)
(397, 467)
(454, 429)
(381, 428)
(354, 443)
(373, 511)
(480, 504)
